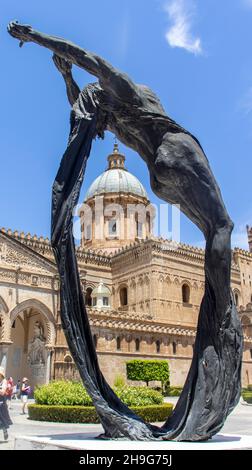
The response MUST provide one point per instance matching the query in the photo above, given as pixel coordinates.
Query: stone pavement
(239, 422)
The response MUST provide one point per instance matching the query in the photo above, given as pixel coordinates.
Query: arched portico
(32, 334)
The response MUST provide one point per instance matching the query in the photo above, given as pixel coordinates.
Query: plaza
(237, 424)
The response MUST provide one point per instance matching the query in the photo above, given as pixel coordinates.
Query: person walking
(25, 391)
(5, 420)
(9, 391)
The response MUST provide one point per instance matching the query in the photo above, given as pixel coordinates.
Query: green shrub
(119, 381)
(147, 371)
(250, 387)
(62, 393)
(139, 396)
(74, 394)
(247, 396)
(87, 414)
(174, 391)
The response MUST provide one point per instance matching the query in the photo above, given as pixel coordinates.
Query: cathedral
(142, 292)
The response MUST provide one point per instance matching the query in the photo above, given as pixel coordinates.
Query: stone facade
(155, 290)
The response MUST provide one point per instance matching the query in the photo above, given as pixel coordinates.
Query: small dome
(100, 290)
(116, 179)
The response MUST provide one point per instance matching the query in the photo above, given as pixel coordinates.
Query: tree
(146, 371)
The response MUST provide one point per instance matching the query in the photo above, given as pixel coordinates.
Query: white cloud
(239, 239)
(181, 13)
(239, 235)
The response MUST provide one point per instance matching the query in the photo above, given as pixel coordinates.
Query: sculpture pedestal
(87, 442)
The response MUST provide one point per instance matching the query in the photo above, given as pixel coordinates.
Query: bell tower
(249, 232)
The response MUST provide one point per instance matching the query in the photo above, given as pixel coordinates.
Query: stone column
(48, 365)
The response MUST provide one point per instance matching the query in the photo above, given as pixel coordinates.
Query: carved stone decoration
(180, 174)
(36, 357)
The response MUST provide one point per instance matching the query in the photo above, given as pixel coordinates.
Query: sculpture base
(88, 442)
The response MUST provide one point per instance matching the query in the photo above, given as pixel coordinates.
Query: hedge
(146, 371)
(74, 394)
(87, 414)
(247, 396)
(174, 391)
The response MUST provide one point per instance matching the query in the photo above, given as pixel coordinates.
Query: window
(158, 346)
(105, 301)
(236, 299)
(112, 226)
(250, 353)
(137, 344)
(88, 232)
(95, 340)
(123, 296)
(174, 347)
(68, 358)
(118, 343)
(186, 293)
(139, 229)
(148, 221)
(94, 302)
(88, 298)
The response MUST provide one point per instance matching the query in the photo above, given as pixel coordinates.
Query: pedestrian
(18, 389)
(25, 391)
(9, 391)
(5, 420)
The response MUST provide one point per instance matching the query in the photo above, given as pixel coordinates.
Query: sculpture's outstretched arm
(64, 67)
(109, 77)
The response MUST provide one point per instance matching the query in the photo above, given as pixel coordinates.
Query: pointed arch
(41, 308)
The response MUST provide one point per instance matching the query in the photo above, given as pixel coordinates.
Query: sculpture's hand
(19, 31)
(63, 65)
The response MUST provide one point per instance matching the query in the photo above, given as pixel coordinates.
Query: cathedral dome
(116, 179)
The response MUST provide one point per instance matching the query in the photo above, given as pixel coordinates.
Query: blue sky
(196, 55)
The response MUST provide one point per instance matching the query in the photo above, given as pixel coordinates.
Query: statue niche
(36, 350)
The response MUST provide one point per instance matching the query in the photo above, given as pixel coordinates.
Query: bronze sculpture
(180, 173)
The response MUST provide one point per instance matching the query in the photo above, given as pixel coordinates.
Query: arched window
(88, 298)
(236, 299)
(118, 343)
(148, 222)
(68, 358)
(95, 340)
(174, 347)
(123, 296)
(105, 301)
(112, 228)
(186, 294)
(137, 343)
(158, 344)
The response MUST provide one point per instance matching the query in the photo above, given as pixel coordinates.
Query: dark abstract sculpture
(180, 174)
